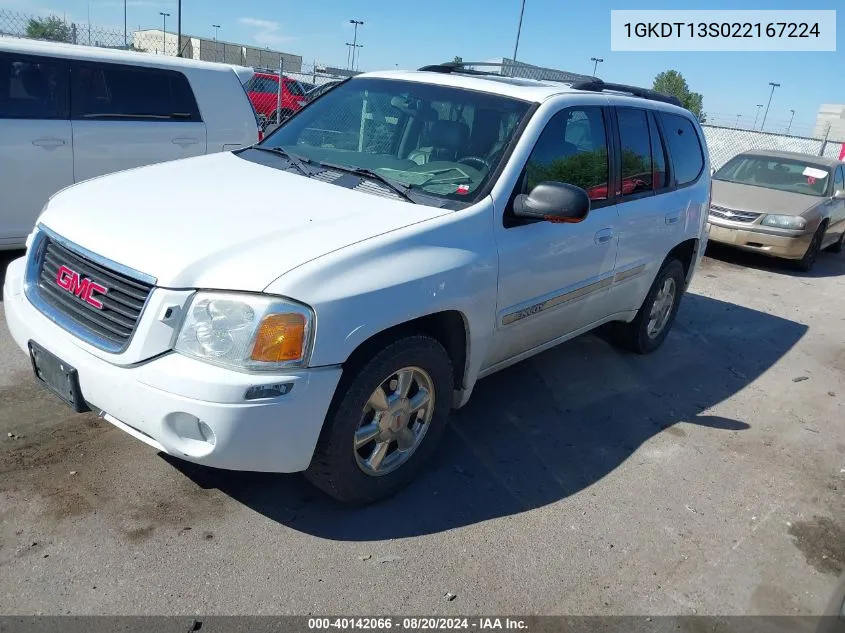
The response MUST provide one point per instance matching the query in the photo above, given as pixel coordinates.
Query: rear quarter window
(117, 92)
(685, 148)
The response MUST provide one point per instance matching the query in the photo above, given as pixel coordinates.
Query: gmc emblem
(70, 280)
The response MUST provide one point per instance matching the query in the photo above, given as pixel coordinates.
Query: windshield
(783, 174)
(440, 140)
(294, 87)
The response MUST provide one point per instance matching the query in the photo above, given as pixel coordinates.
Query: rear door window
(32, 87)
(635, 159)
(115, 92)
(684, 148)
(658, 154)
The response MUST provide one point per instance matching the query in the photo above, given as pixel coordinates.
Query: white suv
(69, 113)
(418, 231)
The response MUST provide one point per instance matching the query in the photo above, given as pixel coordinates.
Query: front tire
(384, 423)
(806, 263)
(655, 317)
(836, 247)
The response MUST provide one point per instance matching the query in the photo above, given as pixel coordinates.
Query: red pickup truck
(263, 92)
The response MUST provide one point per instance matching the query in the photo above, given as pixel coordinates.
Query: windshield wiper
(294, 160)
(402, 190)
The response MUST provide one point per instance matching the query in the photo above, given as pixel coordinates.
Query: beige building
(832, 115)
(158, 42)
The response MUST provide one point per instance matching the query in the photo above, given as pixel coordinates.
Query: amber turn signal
(281, 337)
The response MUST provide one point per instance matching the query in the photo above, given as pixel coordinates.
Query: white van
(69, 113)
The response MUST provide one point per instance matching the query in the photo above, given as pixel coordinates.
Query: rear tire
(655, 317)
(372, 408)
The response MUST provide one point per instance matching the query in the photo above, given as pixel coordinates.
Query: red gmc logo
(83, 288)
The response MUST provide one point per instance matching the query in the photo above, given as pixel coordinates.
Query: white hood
(220, 221)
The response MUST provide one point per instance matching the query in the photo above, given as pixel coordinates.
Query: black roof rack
(507, 69)
(597, 85)
(460, 67)
(576, 82)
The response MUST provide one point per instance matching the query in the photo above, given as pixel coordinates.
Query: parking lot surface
(706, 478)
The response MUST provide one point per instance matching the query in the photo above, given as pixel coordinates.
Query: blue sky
(554, 33)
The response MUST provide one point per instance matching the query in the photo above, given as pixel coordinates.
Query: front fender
(448, 263)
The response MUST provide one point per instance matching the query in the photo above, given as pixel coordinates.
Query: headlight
(245, 331)
(785, 221)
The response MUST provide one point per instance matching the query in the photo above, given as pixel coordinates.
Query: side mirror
(839, 194)
(554, 202)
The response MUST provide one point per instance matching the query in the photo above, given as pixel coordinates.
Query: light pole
(179, 28)
(738, 116)
(759, 105)
(597, 61)
(518, 31)
(771, 94)
(164, 29)
(352, 48)
(357, 23)
(788, 127)
(216, 28)
(125, 39)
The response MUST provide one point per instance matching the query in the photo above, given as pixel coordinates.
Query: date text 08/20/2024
(414, 624)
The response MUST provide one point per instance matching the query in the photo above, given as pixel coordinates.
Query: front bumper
(785, 246)
(161, 400)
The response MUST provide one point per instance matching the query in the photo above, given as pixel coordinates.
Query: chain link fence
(58, 29)
(274, 100)
(726, 142)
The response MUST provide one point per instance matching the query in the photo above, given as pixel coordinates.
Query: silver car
(782, 204)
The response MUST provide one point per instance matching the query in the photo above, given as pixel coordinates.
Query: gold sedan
(782, 204)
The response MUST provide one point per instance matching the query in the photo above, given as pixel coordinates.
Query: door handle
(604, 236)
(185, 140)
(49, 143)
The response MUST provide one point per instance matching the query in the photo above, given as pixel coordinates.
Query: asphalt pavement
(706, 478)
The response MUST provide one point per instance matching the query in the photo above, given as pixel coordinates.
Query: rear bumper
(161, 401)
(785, 246)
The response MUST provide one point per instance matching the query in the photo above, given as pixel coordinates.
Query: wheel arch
(450, 328)
(686, 252)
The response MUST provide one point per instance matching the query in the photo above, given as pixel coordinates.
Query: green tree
(671, 82)
(50, 28)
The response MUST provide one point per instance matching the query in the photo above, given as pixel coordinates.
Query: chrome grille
(111, 327)
(732, 214)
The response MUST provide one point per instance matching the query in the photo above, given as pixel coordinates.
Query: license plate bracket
(58, 376)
